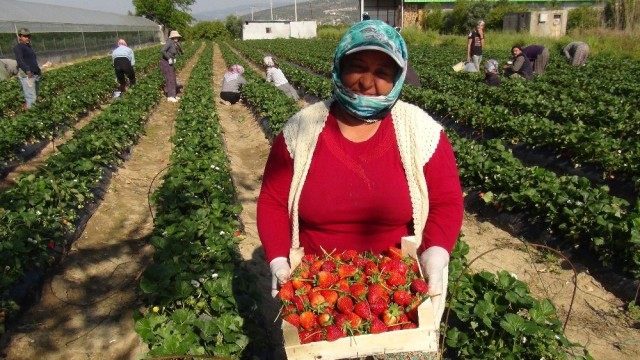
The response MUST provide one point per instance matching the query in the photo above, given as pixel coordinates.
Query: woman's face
(369, 73)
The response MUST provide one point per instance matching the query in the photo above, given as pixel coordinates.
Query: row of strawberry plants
(201, 299)
(44, 208)
(499, 323)
(497, 109)
(568, 204)
(613, 149)
(43, 121)
(55, 81)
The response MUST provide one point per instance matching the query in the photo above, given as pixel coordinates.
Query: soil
(86, 307)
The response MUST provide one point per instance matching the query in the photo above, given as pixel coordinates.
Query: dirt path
(86, 309)
(596, 320)
(248, 148)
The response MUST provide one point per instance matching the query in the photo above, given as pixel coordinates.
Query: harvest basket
(422, 339)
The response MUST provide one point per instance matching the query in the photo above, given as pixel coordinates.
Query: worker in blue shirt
(123, 62)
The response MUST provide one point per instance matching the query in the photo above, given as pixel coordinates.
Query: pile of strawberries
(345, 294)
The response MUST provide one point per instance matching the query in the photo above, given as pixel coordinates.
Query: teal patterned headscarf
(369, 35)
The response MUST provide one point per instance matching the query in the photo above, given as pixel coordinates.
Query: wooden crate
(424, 338)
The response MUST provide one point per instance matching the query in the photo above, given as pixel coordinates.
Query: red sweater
(356, 196)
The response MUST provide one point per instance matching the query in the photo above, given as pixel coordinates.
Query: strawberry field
(560, 152)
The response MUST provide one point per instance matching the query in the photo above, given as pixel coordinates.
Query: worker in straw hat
(169, 52)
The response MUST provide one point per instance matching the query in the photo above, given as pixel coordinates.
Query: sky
(124, 6)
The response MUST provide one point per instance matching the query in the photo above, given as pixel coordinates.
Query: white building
(252, 30)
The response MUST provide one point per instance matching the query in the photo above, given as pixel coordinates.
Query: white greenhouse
(60, 33)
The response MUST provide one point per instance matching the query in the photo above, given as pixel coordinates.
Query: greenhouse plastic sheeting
(52, 18)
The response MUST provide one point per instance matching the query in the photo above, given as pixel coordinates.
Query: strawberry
(348, 255)
(377, 292)
(305, 336)
(396, 278)
(371, 268)
(400, 266)
(412, 309)
(378, 307)
(333, 333)
(325, 319)
(308, 320)
(329, 265)
(287, 309)
(402, 297)
(354, 320)
(346, 270)
(326, 279)
(358, 291)
(343, 285)
(341, 320)
(316, 266)
(394, 253)
(293, 319)
(317, 302)
(362, 309)
(390, 316)
(345, 304)
(419, 286)
(330, 296)
(286, 292)
(300, 301)
(377, 326)
(308, 259)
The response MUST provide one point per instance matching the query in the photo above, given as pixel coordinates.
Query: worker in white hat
(169, 52)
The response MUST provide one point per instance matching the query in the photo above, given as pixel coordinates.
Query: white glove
(435, 264)
(280, 273)
(171, 61)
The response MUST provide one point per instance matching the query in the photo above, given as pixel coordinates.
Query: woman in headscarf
(491, 77)
(231, 83)
(362, 169)
(276, 76)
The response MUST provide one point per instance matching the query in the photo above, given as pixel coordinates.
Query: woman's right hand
(280, 273)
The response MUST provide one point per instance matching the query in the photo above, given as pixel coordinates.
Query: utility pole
(271, 6)
(295, 9)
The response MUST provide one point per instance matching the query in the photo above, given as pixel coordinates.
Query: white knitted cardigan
(417, 135)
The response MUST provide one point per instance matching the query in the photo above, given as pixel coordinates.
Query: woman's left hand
(280, 273)
(435, 264)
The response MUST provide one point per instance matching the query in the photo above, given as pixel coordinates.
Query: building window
(268, 30)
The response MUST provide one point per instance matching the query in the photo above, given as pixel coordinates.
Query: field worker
(29, 72)
(123, 62)
(276, 76)
(8, 69)
(169, 52)
(538, 56)
(475, 44)
(519, 66)
(231, 84)
(576, 52)
(491, 77)
(362, 169)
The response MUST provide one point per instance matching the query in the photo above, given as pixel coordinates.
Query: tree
(234, 26)
(171, 14)
(209, 30)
